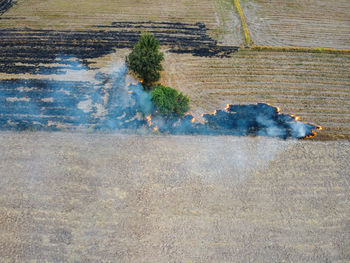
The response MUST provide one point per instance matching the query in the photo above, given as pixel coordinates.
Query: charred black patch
(41, 104)
(259, 120)
(240, 120)
(26, 50)
(5, 5)
(54, 105)
(110, 103)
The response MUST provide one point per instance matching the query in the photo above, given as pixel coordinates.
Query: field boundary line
(300, 49)
(247, 39)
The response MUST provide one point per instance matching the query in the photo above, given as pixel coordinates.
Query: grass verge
(247, 39)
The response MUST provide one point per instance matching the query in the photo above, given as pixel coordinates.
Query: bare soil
(104, 198)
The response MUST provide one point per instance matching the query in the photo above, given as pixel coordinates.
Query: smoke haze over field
(74, 97)
(100, 197)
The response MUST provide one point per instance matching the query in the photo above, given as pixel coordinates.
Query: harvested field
(218, 15)
(313, 86)
(100, 198)
(5, 5)
(94, 196)
(317, 23)
(27, 51)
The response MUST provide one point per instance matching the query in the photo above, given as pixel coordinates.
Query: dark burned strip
(58, 105)
(5, 5)
(52, 105)
(33, 47)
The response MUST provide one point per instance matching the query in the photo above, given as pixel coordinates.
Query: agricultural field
(200, 40)
(314, 86)
(95, 197)
(218, 15)
(76, 192)
(311, 23)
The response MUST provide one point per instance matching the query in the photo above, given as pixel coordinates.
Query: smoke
(110, 99)
(81, 98)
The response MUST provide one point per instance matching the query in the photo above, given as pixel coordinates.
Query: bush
(169, 102)
(145, 60)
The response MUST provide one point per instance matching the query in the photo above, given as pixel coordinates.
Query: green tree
(145, 60)
(169, 102)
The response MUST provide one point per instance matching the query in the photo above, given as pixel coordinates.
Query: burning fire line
(260, 119)
(150, 123)
(241, 120)
(149, 120)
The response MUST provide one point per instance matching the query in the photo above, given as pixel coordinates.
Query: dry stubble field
(310, 23)
(314, 86)
(218, 15)
(70, 197)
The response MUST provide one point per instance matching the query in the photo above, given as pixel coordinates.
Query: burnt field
(90, 172)
(313, 86)
(117, 104)
(25, 50)
(5, 5)
(41, 42)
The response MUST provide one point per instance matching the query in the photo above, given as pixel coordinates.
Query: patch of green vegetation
(169, 102)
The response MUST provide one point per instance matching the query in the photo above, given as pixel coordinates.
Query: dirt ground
(117, 198)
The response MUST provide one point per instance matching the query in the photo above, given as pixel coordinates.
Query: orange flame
(278, 109)
(227, 107)
(318, 127)
(149, 120)
(214, 113)
(193, 120)
(297, 118)
(155, 128)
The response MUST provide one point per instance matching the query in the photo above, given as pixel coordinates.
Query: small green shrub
(169, 102)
